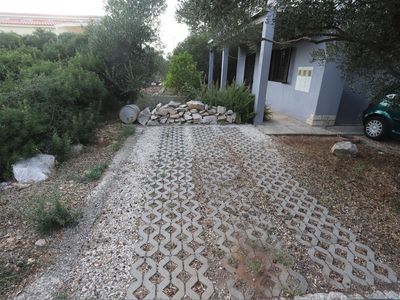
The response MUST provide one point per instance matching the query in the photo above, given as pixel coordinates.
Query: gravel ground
(95, 255)
(20, 258)
(95, 258)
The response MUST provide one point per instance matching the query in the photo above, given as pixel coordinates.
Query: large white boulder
(34, 169)
(344, 149)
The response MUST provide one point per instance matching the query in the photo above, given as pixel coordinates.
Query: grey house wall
(283, 97)
(327, 102)
(351, 106)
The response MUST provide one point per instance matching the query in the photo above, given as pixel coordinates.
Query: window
(280, 62)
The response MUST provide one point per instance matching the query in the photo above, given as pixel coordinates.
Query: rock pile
(193, 112)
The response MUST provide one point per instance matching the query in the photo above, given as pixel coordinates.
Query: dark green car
(382, 119)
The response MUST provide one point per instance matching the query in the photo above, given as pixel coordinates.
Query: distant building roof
(14, 19)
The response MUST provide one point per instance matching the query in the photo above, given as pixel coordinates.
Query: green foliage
(282, 257)
(11, 62)
(50, 214)
(196, 44)
(362, 37)
(10, 40)
(234, 97)
(183, 75)
(95, 173)
(22, 132)
(123, 41)
(60, 146)
(39, 38)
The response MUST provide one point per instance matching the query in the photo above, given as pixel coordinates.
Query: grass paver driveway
(218, 216)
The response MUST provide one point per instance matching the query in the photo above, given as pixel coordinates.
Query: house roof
(42, 20)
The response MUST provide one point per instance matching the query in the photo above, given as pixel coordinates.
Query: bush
(237, 98)
(22, 132)
(50, 214)
(183, 75)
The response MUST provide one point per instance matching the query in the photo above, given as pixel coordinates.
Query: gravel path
(206, 212)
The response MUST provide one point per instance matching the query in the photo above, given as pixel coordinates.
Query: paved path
(207, 212)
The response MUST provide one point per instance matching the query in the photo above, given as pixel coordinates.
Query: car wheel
(376, 128)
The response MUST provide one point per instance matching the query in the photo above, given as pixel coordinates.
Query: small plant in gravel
(291, 293)
(267, 113)
(255, 266)
(95, 173)
(124, 133)
(282, 257)
(395, 203)
(50, 214)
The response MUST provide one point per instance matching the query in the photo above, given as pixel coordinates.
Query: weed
(49, 213)
(252, 244)
(282, 257)
(360, 168)
(267, 113)
(394, 203)
(124, 133)
(254, 266)
(290, 293)
(60, 296)
(94, 173)
(233, 262)
(11, 275)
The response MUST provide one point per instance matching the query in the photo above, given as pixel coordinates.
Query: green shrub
(234, 97)
(22, 132)
(60, 146)
(95, 173)
(183, 75)
(10, 40)
(50, 214)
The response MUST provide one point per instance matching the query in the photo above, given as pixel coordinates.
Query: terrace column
(241, 65)
(211, 68)
(224, 67)
(263, 66)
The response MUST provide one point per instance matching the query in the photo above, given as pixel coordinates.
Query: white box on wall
(303, 80)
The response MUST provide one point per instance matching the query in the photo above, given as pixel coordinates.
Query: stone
(153, 123)
(34, 169)
(196, 118)
(209, 120)
(174, 104)
(183, 106)
(162, 111)
(194, 111)
(229, 112)
(194, 104)
(163, 120)
(205, 114)
(40, 243)
(158, 105)
(222, 118)
(231, 118)
(221, 110)
(212, 111)
(154, 117)
(206, 107)
(187, 117)
(181, 113)
(144, 116)
(188, 113)
(344, 149)
(172, 111)
(175, 116)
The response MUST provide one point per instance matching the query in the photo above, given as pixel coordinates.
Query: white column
(264, 64)
(224, 67)
(241, 65)
(211, 69)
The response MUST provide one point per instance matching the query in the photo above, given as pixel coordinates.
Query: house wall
(351, 106)
(22, 30)
(283, 97)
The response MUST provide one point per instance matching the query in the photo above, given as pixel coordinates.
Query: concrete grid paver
(171, 261)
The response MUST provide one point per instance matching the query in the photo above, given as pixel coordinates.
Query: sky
(171, 32)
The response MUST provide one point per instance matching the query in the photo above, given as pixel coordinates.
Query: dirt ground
(363, 192)
(20, 258)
